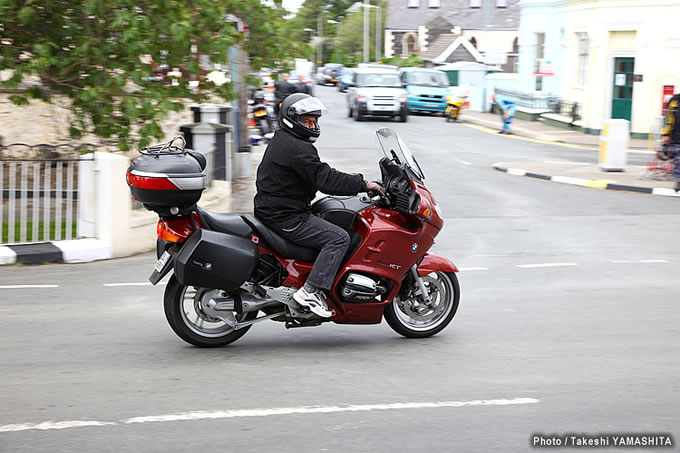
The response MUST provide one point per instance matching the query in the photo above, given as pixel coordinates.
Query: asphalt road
(567, 324)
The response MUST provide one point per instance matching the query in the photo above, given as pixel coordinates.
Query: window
(540, 42)
(434, 3)
(475, 3)
(501, 3)
(583, 51)
(413, 3)
(408, 44)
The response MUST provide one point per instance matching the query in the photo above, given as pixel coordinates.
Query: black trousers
(333, 242)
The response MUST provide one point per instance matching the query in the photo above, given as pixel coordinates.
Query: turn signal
(164, 233)
(425, 208)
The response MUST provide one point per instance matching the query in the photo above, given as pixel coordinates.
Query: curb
(72, 251)
(592, 183)
(525, 132)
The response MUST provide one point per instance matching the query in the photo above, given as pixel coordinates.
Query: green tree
(99, 53)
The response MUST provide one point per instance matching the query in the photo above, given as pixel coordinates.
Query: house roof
(460, 41)
(440, 44)
(457, 12)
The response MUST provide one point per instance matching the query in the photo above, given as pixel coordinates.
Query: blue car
(427, 89)
(345, 79)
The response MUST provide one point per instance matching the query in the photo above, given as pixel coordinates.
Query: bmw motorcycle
(230, 272)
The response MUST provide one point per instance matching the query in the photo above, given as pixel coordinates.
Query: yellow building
(622, 57)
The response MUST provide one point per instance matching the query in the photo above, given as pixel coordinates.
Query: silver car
(378, 92)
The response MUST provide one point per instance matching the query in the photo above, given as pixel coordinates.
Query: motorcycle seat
(225, 223)
(283, 247)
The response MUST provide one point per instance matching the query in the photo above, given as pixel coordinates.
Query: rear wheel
(410, 316)
(185, 311)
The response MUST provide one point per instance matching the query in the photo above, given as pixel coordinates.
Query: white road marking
(213, 415)
(27, 286)
(653, 261)
(527, 266)
(464, 162)
(463, 269)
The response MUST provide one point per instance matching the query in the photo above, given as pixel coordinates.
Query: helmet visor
(309, 106)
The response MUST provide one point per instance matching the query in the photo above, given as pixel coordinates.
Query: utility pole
(319, 46)
(366, 19)
(378, 53)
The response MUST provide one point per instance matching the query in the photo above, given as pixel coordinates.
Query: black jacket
(283, 89)
(672, 123)
(288, 178)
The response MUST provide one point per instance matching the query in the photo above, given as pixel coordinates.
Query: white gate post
(86, 226)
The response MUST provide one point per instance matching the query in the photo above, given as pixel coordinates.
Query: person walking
(301, 86)
(507, 110)
(671, 137)
(282, 89)
(287, 180)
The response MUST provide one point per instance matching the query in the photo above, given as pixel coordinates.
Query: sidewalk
(538, 131)
(634, 178)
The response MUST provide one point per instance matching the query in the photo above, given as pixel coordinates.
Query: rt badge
(414, 247)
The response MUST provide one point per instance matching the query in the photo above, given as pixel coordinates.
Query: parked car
(427, 89)
(376, 91)
(345, 79)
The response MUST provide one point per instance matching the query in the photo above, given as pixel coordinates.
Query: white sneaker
(315, 301)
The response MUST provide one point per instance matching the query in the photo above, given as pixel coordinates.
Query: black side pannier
(209, 259)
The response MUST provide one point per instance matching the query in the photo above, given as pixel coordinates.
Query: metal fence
(565, 108)
(40, 191)
(536, 101)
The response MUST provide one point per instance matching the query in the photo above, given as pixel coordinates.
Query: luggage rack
(165, 148)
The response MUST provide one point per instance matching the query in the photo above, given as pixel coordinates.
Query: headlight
(361, 98)
(403, 98)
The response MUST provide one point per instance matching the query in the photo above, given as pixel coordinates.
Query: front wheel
(410, 316)
(185, 312)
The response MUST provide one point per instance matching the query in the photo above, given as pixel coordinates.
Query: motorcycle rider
(288, 178)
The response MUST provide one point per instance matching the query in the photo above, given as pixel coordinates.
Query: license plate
(334, 80)
(429, 104)
(161, 261)
(260, 113)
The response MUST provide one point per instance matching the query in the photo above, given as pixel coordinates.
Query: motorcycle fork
(421, 285)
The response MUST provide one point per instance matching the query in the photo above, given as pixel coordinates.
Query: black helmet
(296, 105)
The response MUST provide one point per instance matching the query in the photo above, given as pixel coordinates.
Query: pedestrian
(507, 110)
(288, 178)
(301, 86)
(282, 89)
(671, 137)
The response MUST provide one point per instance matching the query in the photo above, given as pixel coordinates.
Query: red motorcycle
(231, 271)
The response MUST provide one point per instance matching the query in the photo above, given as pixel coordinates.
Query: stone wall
(40, 122)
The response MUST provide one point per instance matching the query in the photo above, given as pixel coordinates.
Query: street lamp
(354, 9)
(337, 38)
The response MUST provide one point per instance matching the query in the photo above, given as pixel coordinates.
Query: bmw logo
(414, 247)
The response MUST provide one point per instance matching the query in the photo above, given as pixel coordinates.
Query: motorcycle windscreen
(393, 147)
